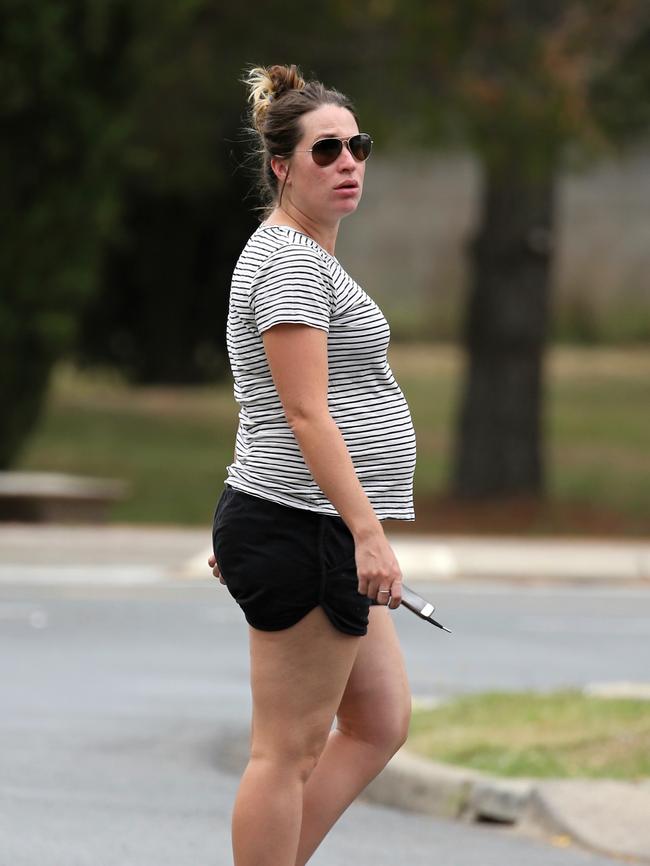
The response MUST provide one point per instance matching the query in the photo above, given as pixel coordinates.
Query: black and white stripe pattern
(283, 275)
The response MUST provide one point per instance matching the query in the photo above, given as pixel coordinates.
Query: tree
(518, 83)
(59, 154)
(189, 204)
(161, 310)
(525, 110)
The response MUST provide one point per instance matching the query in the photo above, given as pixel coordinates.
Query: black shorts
(280, 562)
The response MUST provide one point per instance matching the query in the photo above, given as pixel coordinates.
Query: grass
(561, 734)
(173, 444)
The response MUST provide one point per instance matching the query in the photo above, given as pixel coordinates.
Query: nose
(346, 155)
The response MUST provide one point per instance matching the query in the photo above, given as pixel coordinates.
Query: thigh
(376, 703)
(298, 676)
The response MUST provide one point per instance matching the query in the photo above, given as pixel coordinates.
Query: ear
(280, 167)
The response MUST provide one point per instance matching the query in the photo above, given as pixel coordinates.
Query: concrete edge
(445, 560)
(417, 784)
(543, 814)
(420, 785)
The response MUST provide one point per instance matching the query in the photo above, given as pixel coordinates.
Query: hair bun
(285, 78)
(266, 84)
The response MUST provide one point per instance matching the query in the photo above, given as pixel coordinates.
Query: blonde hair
(265, 85)
(278, 97)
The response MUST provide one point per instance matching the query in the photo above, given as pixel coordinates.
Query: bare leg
(372, 723)
(298, 676)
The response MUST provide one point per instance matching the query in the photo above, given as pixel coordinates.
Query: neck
(287, 214)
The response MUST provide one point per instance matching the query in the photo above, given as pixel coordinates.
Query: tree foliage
(61, 74)
(126, 197)
(522, 85)
(189, 199)
(159, 314)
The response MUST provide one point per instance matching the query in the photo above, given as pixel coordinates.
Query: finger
(372, 587)
(216, 572)
(212, 560)
(383, 595)
(395, 593)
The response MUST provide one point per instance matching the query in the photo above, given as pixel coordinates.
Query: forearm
(330, 464)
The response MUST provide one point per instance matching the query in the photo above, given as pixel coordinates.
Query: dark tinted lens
(360, 146)
(326, 150)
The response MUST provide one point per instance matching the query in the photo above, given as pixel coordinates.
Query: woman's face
(323, 193)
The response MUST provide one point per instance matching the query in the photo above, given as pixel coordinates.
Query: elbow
(301, 417)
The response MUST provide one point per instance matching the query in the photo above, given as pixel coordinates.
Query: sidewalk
(446, 558)
(58, 553)
(126, 553)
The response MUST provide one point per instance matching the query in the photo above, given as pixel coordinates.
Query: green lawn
(561, 734)
(173, 444)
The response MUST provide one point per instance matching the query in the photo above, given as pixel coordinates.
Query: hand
(212, 562)
(378, 570)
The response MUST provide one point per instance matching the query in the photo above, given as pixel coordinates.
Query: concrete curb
(604, 816)
(181, 553)
(508, 558)
(441, 558)
(419, 785)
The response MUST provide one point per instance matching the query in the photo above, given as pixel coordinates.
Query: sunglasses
(325, 151)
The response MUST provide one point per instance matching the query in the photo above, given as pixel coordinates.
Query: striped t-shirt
(283, 275)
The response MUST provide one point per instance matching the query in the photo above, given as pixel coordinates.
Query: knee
(296, 759)
(394, 729)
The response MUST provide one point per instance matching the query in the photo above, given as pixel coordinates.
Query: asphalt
(605, 816)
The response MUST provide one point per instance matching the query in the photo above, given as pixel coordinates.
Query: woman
(325, 451)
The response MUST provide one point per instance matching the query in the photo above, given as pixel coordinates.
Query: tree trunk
(499, 436)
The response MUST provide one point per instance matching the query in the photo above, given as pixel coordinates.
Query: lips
(348, 184)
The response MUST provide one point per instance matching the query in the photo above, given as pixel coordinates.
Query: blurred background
(504, 231)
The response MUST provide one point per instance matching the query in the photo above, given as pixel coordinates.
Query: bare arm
(297, 356)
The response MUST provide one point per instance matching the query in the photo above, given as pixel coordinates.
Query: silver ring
(383, 590)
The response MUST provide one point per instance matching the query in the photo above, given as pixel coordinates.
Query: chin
(349, 208)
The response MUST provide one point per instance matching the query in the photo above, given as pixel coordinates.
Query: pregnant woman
(325, 451)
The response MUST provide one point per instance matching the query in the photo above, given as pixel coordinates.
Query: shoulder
(282, 250)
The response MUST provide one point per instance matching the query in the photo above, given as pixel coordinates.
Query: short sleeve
(293, 285)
